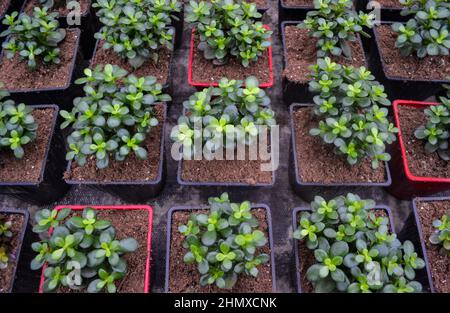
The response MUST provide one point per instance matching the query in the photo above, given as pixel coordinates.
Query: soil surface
(395, 4)
(187, 278)
(159, 70)
(409, 67)
(259, 3)
(6, 275)
(317, 161)
(131, 169)
(205, 71)
(439, 263)
(420, 162)
(16, 75)
(63, 11)
(297, 3)
(4, 5)
(301, 53)
(28, 169)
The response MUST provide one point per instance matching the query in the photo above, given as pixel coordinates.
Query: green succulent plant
(441, 234)
(82, 251)
(6, 235)
(137, 29)
(114, 116)
(354, 250)
(228, 28)
(350, 106)
(224, 243)
(427, 32)
(335, 24)
(34, 38)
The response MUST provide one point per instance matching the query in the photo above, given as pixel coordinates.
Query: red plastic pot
(405, 185)
(115, 207)
(215, 84)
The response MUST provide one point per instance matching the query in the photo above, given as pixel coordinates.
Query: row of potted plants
(342, 244)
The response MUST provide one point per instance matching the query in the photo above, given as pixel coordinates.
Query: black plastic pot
(412, 230)
(50, 186)
(61, 96)
(401, 87)
(191, 208)
(386, 14)
(131, 191)
(179, 27)
(16, 257)
(286, 13)
(307, 190)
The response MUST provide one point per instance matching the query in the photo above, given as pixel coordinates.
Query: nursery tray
(148, 208)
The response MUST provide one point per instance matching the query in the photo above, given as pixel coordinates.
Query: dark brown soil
(6, 275)
(439, 263)
(159, 70)
(302, 53)
(298, 3)
(132, 169)
(420, 162)
(4, 5)
(63, 11)
(394, 4)
(16, 75)
(259, 3)
(204, 71)
(28, 169)
(411, 67)
(185, 277)
(319, 164)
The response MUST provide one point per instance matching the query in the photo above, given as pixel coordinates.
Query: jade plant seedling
(352, 113)
(224, 243)
(34, 38)
(114, 116)
(82, 251)
(5, 243)
(335, 24)
(354, 250)
(229, 114)
(228, 28)
(441, 235)
(137, 29)
(428, 30)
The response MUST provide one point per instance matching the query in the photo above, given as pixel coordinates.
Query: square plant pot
(41, 86)
(19, 219)
(300, 49)
(128, 224)
(418, 228)
(183, 272)
(315, 169)
(389, 9)
(411, 176)
(408, 78)
(294, 9)
(115, 179)
(231, 69)
(38, 175)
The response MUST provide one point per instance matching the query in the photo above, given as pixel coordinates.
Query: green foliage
(114, 117)
(354, 250)
(335, 24)
(81, 251)
(5, 242)
(427, 32)
(351, 109)
(17, 125)
(136, 29)
(228, 28)
(436, 132)
(441, 235)
(224, 242)
(225, 113)
(34, 38)
(53, 3)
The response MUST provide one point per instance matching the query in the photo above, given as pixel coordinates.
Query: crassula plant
(228, 28)
(334, 23)
(224, 242)
(441, 235)
(136, 29)
(17, 125)
(351, 109)
(114, 116)
(34, 38)
(354, 249)
(5, 242)
(224, 116)
(428, 30)
(81, 251)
